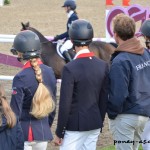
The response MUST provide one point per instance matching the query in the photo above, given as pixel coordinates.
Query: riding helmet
(81, 32)
(28, 43)
(70, 3)
(145, 28)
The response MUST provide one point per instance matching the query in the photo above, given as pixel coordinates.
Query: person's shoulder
(121, 56)
(99, 60)
(74, 15)
(46, 67)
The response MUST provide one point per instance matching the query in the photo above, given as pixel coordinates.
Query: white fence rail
(10, 38)
(10, 78)
(6, 77)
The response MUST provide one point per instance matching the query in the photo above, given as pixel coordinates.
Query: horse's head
(26, 26)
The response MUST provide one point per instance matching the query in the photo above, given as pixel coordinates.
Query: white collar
(81, 52)
(70, 13)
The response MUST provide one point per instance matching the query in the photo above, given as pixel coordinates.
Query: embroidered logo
(14, 91)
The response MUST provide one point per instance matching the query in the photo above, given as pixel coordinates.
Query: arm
(52, 115)
(61, 36)
(17, 96)
(103, 99)
(119, 79)
(20, 137)
(66, 93)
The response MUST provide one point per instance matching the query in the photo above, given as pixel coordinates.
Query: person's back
(136, 67)
(84, 93)
(89, 75)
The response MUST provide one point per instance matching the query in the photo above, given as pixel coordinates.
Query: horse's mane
(102, 49)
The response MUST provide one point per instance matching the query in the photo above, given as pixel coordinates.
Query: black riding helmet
(145, 28)
(28, 43)
(81, 32)
(70, 3)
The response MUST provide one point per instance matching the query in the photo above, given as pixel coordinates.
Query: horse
(51, 58)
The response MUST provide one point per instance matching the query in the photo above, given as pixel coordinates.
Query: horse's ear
(23, 26)
(28, 24)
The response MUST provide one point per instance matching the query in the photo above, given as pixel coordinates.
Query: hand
(57, 141)
(56, 38)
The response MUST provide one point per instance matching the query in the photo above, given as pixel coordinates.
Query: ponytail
(42, 102)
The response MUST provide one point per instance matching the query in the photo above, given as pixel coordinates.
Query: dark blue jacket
(129, 84)
(84, 95)
(65, 35)
(24, 88)
(11, 138)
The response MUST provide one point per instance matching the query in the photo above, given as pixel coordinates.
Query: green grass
(113, 148)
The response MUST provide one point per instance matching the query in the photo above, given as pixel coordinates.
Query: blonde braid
(42, 102)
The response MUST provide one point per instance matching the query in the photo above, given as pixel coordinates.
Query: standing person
(129, 96)
(34, 90)
(11, 135)
(83, 97)
(69, 6)
(145, 30)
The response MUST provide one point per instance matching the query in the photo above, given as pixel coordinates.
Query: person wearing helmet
(84, 93)
(145, 30)
(33, 94)
(69, 6)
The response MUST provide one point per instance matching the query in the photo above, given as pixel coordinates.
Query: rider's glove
(56, 38)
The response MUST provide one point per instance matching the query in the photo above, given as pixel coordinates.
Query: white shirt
(70, 13)
(81, 52)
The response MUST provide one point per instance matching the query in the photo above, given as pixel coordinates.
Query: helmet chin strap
(19, 59)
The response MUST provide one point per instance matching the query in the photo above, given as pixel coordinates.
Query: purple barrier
(137, 12)
(9, 60)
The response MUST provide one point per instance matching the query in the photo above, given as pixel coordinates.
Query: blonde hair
(124, 26)
(6, 110)
(42, 102)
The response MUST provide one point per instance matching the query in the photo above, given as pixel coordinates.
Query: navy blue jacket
(129, 84)
(11, 138)
(84, 95)
(24, 88)
(65, 35)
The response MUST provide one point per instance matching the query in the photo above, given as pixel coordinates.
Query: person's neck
(120, 41)
(77, 49)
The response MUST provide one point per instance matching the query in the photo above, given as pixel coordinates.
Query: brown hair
(6, 109)
(124, 26)
(42, 103)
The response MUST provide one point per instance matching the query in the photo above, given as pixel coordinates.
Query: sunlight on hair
(43, 103)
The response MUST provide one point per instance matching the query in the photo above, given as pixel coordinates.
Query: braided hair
(42, 102)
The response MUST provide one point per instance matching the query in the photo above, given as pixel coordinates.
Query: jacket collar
(132, 45)
(84, 53)
(28, 64)
(70, 13)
